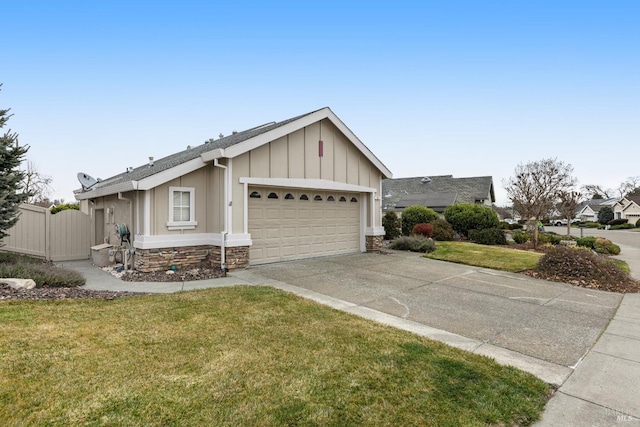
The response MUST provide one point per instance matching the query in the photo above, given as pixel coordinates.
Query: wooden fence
(63, 236)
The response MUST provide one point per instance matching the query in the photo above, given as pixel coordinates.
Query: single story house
(621, 206)
(436, 192)
(631, 210)
(299, 188)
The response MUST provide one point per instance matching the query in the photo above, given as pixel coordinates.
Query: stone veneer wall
(374, 243)
(148, 260)
(237, 256)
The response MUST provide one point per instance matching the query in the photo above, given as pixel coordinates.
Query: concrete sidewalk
(601, 389)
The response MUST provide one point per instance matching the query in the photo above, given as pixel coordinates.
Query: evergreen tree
(11, 156)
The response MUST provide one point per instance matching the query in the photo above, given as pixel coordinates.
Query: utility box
(100, 254)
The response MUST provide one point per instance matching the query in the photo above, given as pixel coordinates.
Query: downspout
(126, 252)
(223, 234)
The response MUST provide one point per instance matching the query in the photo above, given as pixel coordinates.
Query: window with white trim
(182, 208)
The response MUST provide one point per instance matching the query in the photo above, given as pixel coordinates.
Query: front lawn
(241, 356)
(494, 257)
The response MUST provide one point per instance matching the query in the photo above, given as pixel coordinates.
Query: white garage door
(288, 224)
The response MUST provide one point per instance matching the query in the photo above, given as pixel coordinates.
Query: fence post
(47, 234)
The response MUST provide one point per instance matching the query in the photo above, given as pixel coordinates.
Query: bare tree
(629, 186)
(594, 191)
(37, 185)
(568, 203)
(535, 186)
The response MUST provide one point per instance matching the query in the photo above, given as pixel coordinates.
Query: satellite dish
(87, 181)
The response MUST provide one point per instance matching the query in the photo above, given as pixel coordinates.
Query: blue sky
(464, 88)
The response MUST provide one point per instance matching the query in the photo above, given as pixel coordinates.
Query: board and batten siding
(63, 236)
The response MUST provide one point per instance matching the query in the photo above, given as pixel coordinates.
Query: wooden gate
(63, 236)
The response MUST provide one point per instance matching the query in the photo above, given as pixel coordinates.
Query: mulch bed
(200, 273)
(626, 287)
(9, 293)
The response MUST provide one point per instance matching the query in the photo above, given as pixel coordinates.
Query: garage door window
(255, 195)
(289, 196)
(318, 198)
(354, 200)
(304, 197)
(331, 199)
(181, 208)
(272, 196)
(343, 199)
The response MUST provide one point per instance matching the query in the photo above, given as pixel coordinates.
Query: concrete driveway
(550, 322)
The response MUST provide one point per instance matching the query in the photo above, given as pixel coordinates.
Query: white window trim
(183, 225)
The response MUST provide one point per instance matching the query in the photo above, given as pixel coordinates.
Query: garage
(287, 224)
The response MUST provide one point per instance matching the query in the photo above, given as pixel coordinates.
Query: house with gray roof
(301, 187)
(436, 192)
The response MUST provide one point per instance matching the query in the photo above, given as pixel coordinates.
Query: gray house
(436, 192)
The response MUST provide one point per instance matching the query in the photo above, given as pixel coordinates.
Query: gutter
(223, 234)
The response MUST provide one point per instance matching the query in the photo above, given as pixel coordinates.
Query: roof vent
(221, 135)
(188, 147)
(425, 180)
(234, 132)
(150, 161)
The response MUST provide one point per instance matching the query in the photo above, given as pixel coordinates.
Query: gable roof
(436, 192)
(170, 167)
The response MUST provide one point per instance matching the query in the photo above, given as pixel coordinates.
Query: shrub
(591, 224)
(605, 214)
(580, 265)
(586, 242)
(622, 227)
(442, 230)
(618, 221)
(413, 244)
(413, 215)
(391, 224)
(64, 207)
(605, 246)
(43, 273)
(488, 236)
(515, 227)
(468, 216)
(638, 223)
(423, 229)
(521, 237)
(551, 238)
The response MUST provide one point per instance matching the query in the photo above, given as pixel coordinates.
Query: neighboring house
(436, 192)
(631, 209)
(623, 208)
(300, 188)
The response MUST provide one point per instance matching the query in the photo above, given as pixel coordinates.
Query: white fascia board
(181, 240)
(169, 174)
(374, 231)
(106, 191)
(302, 122)
(209, 156)
(317, 184)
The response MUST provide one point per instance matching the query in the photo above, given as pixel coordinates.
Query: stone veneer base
(149, 260)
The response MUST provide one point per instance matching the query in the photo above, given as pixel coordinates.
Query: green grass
(494, 257)
(241, 356)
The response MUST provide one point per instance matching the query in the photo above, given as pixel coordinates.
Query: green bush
(488, 236)
(605, 214)
(391, 223)
(605, 246)
(515, 227)
(599, 244)
(551, 238)
(423, 229)
(442, 230)
(43, 273)
(586, 242)
(579, 265)
(413, 215)
(591, 224)
(468, 216)
(622, 227)
(638, 223)
(64, 207)
(413, 244)
(521, 237)
(618, 221)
